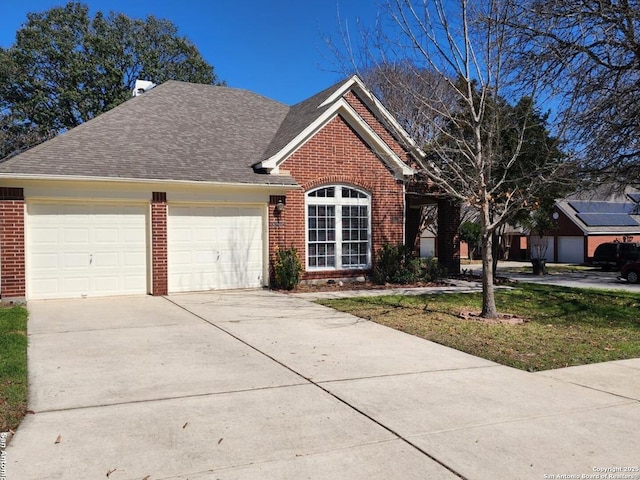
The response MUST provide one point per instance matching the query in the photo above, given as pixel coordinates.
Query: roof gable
(307, 118)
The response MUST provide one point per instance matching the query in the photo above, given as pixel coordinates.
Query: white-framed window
(338, 219)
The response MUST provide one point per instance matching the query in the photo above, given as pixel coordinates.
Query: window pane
(352, 193)
(353, 235)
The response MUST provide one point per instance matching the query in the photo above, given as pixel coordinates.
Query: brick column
(412, 227)
(449, 236)
(159, 281)
(12, 256)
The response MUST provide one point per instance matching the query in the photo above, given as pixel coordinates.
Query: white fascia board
(372, 102)
(340, 91)
(52, 178)
(340, 107)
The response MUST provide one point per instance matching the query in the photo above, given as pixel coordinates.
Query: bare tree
(472, 137)
(588, 54)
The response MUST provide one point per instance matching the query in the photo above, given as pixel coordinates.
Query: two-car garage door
(95, 249)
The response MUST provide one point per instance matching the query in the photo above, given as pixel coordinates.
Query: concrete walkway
(257, 385)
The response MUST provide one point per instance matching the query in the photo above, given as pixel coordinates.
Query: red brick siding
(337, 155)
(159, 261)
(12, 253)
(359, 106)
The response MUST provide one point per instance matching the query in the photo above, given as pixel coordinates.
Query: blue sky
(272, 47)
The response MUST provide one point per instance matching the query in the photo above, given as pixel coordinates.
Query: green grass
(564, 327)
(13, 366)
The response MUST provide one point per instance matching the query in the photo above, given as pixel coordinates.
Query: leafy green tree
(67, 67)
(470, 232)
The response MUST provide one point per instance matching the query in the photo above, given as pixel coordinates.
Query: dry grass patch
(563, 327)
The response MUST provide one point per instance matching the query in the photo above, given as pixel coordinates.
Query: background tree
(588, 54)
(66, 67)
(474, 153)
(470, 232)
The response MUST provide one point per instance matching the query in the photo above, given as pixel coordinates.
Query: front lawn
(13, 366)
(564, 326)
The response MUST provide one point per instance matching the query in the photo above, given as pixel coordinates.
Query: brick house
(192, 187)
(587, 219)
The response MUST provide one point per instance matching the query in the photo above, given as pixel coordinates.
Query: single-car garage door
(85, 249)
(214, 247)
(571, 249)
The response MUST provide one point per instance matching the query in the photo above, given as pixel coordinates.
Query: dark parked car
(631, 271)
(615, 254)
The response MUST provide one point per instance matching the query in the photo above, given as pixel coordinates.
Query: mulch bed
(367, 285)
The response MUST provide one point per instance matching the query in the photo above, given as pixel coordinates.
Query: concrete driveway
(253, 384)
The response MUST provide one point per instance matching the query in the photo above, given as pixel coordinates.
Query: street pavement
(590, 278)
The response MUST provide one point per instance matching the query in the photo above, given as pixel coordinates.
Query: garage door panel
(206, 234)
(214, 247)
(106, 235)
(75, 285)
(571, 249)
(44, 260)
(135, 235)
(78, 236)
(78, 260)
(86, 249)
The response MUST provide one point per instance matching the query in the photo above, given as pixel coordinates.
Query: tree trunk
(488, 299)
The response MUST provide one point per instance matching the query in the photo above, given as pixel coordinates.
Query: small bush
(398, 264)
(431, 269)
(287, 268)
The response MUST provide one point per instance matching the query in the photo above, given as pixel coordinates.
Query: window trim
(338, 201)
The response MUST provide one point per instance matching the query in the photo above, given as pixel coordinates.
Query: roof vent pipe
(142, 86)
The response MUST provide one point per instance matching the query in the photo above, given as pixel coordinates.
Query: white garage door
(85, 249)
(213, 247)
(571, 249)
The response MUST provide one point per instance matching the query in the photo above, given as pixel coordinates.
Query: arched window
(338, 228)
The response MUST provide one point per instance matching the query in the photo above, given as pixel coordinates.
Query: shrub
(431, 269)
(398, 264)
(287, 268)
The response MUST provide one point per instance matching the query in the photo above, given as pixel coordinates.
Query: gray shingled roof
(300, 116)
(177, 131)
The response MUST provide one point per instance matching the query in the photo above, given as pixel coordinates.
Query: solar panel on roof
(603, 207)
(607, 220)
(635, 197)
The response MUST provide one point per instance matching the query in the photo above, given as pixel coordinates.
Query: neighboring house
(587, 219)
(192, 187)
